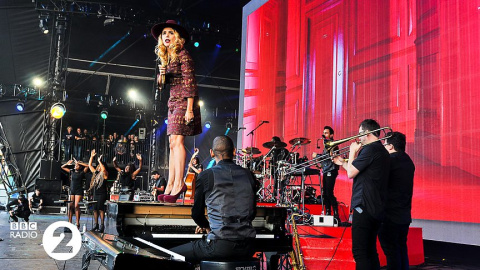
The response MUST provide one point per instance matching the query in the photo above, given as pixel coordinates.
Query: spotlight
(201, 103)
(20, 106)
(208, 125)
(138, 116)
(37, 82)
(57, 110)
(43, 26)
(132, 94)
(196, 44)
(229, 125)
(166, 121)
(218, 45)
(104, 114)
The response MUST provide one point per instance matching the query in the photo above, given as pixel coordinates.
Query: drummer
(280, 152)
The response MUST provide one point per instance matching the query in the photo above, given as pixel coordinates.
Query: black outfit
(228, 192)
(126, 180)
(368, 203)
(394, 229)
(36, 200)
(67, 144)
(22, 211)
(329, 177)
(161, 182)
(99, 193)
(76, 186)
(197, 166)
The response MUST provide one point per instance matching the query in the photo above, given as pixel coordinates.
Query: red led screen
(411, 65)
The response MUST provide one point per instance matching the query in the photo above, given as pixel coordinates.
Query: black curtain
(24, 133)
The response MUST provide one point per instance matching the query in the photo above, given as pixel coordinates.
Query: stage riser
(318, 251)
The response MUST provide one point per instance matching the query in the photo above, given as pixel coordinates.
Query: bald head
(223, 147)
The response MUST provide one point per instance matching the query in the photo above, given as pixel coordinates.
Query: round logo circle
(51, 242)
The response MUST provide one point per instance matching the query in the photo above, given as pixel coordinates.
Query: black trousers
(393, 239)
(364, 239)
(15, 215)
(328, 183)
(201, 250)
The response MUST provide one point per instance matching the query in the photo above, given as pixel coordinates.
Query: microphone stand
(251, 140)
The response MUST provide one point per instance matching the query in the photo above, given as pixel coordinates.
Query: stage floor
(16, 253)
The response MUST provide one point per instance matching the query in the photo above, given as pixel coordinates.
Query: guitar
(190, 179)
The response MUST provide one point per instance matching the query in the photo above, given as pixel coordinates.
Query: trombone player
(368, 165)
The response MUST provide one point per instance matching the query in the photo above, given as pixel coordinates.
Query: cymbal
(300, 140)
(276, 144)
(251, 150)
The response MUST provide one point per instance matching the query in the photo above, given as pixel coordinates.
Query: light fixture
(165, 121)
(20, 106)
(218, 45)
(57, 110)
(208, 125)
(104, 114)
(201, 103)
(138, 116)
(196, 44)
(37, 82)
(132, 94)
(43, 26)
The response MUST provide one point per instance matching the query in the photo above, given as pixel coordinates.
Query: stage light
(201, 103)
(43, 26)
(218, 45)
(57, 110)
(208, 125)
(166, 121)
(104, 114)
(196, 44)
(132, 94)
(20, 106)
(138, 116)
(37, 82)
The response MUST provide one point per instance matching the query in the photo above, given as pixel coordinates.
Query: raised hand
(114, 158)
(93, 153)
(139, 157)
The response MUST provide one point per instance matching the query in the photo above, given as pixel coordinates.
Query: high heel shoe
(173, 198)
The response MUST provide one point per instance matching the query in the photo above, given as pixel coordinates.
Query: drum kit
(268, 169)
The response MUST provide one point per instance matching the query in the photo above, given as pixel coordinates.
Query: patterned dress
(180, 77)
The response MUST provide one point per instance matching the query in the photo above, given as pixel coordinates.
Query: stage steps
(319, 244)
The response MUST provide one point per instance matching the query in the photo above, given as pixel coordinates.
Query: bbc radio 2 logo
(23, 230)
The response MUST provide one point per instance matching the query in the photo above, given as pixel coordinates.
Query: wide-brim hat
(158, 28)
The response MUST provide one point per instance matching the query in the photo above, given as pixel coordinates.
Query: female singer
(176, 71)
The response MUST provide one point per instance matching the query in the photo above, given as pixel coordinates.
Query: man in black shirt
(394, 229)
(228, 192)
(368, 164)
(22, 209)
(36, 201)
(329, 176)
(160, 183)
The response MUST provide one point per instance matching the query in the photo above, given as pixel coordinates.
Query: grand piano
(143, 233)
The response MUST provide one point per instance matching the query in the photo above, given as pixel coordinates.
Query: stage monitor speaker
(50, 169)
(141, 133)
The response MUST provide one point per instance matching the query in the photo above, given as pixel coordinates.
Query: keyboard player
(228, 192)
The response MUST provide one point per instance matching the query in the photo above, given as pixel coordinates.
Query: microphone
(324, 136)
(240, 128)
(265, 122)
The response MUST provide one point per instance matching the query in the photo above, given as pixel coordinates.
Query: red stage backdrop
(411, 65)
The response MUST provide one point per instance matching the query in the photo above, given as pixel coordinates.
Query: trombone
(289, 168)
